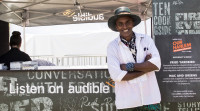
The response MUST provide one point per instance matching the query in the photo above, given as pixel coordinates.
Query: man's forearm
(132, 75)
(145, 67)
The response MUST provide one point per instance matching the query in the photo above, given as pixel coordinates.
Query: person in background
(132, 61)
(14, 54)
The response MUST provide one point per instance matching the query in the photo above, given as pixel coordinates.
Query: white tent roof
(55, 12)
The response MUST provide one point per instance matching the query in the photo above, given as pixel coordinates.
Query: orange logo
(111, 83)
(68, 13)
(180, 46)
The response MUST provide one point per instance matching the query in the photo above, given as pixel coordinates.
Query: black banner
(179, 75)
(65, 90)
(177, 35)
(77, 90)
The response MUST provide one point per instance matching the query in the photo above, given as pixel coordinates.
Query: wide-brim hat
(121, 12)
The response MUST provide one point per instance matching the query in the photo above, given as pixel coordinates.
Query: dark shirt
(14, 54)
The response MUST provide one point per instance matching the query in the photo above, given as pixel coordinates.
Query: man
(14, 54)
(132, 61)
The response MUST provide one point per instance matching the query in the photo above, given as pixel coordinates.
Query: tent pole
(24, 38)
(145, 24)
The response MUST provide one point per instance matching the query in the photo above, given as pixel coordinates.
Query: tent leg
(24, 38)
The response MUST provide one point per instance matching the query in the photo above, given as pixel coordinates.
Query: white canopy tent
(30, 13)
(73, 39)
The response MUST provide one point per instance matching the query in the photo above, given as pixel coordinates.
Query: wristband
(130, 66)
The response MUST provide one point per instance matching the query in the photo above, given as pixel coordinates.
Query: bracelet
(130, 66)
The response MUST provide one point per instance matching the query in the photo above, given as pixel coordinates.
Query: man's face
(124, 25)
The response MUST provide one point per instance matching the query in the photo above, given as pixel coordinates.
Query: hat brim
(112, 20)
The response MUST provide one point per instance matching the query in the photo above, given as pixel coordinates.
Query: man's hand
(123, 67)
(148, 57)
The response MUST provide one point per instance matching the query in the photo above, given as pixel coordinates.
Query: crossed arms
(139, 69)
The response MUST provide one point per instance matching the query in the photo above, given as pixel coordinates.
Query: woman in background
(14, 54)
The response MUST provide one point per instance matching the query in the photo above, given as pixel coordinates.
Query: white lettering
(94, 87)
(87, 17)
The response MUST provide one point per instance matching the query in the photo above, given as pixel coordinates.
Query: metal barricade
(74, 60)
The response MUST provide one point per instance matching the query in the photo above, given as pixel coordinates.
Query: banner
(56, 90)
(65, 90)
(177, 35)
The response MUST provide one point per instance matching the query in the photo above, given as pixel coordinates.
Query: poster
(176, 25)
